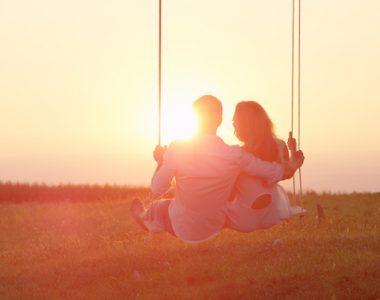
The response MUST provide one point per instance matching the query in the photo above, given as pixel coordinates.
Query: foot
(137, 211)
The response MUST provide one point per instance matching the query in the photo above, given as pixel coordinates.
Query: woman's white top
(240, 214)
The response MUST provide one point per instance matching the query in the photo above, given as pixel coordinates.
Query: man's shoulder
(179, 147)
(210, 144)
(179, 144)
(234, 152)
(235, 149)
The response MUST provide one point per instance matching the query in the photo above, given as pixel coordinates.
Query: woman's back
(257, 204)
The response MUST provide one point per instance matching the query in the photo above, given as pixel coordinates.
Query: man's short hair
(209, 110)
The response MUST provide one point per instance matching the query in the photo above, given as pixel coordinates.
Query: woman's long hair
(255, 129)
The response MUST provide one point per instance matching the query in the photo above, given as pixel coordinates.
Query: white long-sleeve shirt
(205, 170)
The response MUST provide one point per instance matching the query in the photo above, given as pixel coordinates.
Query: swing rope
(159, 71)
(299, 97)
(292, 112)
(299, 198)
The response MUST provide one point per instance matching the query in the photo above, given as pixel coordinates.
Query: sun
(177, 121)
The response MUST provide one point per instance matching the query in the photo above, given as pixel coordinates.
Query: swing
(185, 221)
(292, 147)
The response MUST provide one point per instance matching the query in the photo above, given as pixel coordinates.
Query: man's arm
(165, 170)
(272, 172)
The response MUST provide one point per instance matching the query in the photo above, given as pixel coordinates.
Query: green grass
(94, 250)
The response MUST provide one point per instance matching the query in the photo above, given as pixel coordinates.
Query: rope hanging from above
(159, 70)
(299, 198)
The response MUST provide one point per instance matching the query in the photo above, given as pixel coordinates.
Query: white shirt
(205, 170)
(242, 217)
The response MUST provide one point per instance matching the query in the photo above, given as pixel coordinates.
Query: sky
(78, 96)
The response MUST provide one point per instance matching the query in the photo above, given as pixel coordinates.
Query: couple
(218, 185)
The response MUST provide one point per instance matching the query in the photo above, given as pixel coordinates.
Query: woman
(256, 204)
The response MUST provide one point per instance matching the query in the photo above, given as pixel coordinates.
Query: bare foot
(137, 210)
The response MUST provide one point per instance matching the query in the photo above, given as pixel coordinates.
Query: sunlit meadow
(79, 242)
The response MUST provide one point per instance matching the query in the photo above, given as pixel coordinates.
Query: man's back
(205, 170)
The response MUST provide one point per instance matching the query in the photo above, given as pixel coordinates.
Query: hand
(158, 153)
(296, 161)
(292, 143)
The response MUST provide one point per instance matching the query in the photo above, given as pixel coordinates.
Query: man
(205, 170)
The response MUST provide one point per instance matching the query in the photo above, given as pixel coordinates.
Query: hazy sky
(78, 96)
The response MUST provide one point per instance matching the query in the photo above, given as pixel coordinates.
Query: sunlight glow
(178, 122)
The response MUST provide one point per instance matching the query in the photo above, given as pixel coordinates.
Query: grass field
(92, 249)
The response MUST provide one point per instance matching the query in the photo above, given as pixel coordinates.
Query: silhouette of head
(209, 112)
(255, 129)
